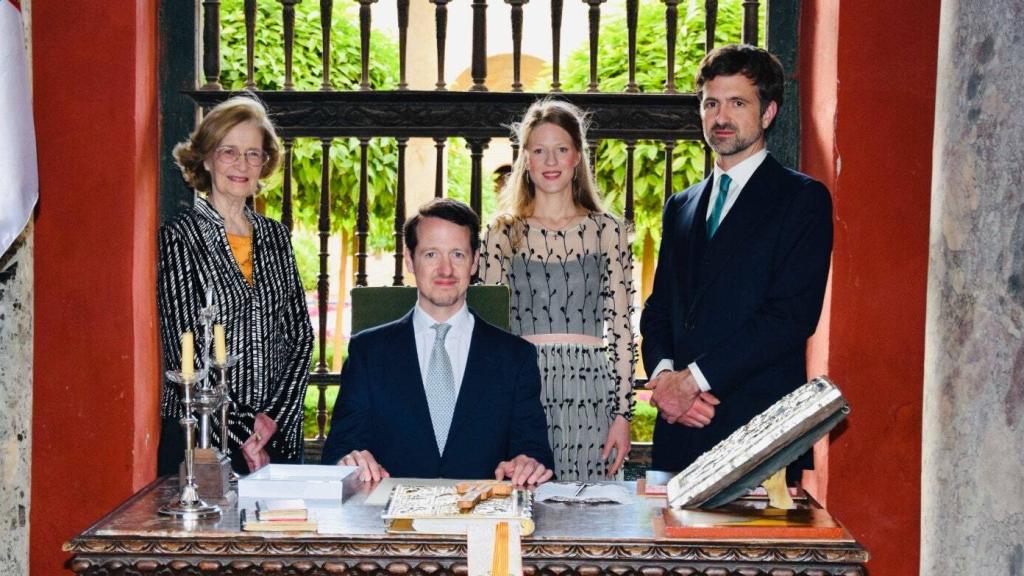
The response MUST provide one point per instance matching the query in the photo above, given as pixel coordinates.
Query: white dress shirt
(740, 175)
(456, 343)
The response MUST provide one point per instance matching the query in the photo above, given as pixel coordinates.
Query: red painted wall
(868, 90)
(868, 82)
(96, 364)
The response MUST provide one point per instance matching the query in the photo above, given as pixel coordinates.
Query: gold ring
(258, 437)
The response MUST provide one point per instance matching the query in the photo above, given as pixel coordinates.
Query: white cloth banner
(19, 180)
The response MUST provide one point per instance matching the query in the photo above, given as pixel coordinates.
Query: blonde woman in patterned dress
(569, 266)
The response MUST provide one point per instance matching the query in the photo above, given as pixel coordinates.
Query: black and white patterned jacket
(267, 324)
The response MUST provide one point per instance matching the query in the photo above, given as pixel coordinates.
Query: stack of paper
(283, 515)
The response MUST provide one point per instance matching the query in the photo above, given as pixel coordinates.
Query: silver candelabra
(189, 506)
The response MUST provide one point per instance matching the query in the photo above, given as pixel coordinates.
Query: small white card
(485, 555)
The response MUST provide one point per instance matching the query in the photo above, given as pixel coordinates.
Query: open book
(435, 510)
(769, 442)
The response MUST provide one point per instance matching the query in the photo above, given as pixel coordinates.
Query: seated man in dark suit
(440, 392)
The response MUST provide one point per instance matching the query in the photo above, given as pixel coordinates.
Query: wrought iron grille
(476, 115)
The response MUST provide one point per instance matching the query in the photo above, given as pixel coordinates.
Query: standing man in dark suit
(440, 392)
(741, 271)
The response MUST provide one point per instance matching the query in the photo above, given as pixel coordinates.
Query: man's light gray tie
(440, 387)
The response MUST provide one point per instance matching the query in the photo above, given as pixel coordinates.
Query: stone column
(15, 402)
(973, 430)
(16, 280)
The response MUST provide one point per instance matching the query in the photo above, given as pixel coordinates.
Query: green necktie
(716, 212)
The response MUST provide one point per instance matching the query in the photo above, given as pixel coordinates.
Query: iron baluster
(441, 33)
(670, 147)
(326, 9)
(750, 24)
(628, 213)
(632, 11)
(476, 155)
(399, 280)
(517, 42)
(211, 44)
(439, 143)
(250, 44)
(595, 26)
(671, 31)
(362, 212)
(324, 232)
(286, 187)
(478, 68)
(288, 19)
(556, 44)
(403, 33)
(364, 43)
(710, 19)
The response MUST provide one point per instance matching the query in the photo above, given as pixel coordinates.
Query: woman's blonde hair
(215, 125)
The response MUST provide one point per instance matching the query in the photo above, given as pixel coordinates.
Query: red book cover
(733, 523)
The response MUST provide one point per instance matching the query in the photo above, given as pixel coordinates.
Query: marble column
(973, 430)
(15, 403)
(16, 282)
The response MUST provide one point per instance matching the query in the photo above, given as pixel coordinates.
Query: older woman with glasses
(223, 253)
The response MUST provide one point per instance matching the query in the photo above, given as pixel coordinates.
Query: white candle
(187, 346)
(220, 351)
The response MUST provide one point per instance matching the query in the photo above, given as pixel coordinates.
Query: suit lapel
(404, 368)
(472, 392)
(743, 221)
(690, 237)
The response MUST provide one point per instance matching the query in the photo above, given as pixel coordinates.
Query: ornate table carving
(570, 540)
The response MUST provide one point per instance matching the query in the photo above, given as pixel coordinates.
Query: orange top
(241, 249)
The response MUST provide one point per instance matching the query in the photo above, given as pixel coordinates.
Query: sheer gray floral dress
(576, 281)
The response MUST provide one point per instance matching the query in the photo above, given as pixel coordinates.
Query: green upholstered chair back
(376, 305)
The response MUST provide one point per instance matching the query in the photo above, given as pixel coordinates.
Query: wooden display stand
(212, 471)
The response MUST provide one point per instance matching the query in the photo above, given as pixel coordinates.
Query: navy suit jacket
(382, 406)
(743, 304)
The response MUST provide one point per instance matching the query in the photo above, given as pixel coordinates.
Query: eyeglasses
(229, 155)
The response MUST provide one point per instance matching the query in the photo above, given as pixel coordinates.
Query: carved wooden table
(570, 540)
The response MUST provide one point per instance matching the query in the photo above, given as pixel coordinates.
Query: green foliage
(459, 176)
(613, 72)
(642, 427)
(309, 409)
(306, 247)
(313, 392)
(307, 74)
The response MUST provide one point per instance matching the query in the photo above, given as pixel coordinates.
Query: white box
(307, 481)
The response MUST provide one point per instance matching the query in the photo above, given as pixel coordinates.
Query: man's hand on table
(369, 469)
(523, 471)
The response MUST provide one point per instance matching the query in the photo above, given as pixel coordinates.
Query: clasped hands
(679, 399)
(521, 470)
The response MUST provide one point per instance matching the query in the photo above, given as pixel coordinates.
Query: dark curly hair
(190, 154)
(757, 64)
